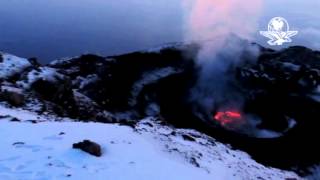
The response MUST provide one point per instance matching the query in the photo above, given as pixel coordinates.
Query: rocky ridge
(280, 85)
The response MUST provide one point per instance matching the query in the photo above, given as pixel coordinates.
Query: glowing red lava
(228, 117)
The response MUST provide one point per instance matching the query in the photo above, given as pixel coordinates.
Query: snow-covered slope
(148, 151)
(280, 86)
(11, 65)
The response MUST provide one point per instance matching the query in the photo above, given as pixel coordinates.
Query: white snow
(25, 115)
(44, 73)
(291, 66)
(263, 133)
(5, 88)
(315, 95)
(61, 61)
(317, 90)
(315, 173)
(217, 159)
(48, 155)
(12, 65)
(149, 78)
(84, 81)
(148, 152)
(18, 113)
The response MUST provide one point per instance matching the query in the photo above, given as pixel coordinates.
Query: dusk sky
(159, 89)
(57, 28)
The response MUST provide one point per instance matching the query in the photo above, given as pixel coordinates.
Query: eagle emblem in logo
(278, 32)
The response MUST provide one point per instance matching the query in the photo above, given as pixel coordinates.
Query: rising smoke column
(211, 19)
(220, 26)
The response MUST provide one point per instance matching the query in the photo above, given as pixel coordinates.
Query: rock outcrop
(282, 88)
(89, 147)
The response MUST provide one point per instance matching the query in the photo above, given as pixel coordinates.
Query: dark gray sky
(51, 29)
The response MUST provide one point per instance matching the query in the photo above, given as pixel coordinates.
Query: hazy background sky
(302, 15)
(51, 29)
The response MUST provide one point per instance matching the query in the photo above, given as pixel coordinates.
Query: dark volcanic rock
(283, 84)
(118, 83)
(89, 147)
(12, 95)
(278, 87)
(94, 87)
(295, 69)
(116, 86)
(81, 66)
(188, 137)
(59, 92)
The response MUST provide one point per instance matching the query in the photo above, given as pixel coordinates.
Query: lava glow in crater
(226, 118)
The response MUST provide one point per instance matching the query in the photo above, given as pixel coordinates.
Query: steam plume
(211, 19)
(219, 26)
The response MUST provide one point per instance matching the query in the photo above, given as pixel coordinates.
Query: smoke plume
(223, 28)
